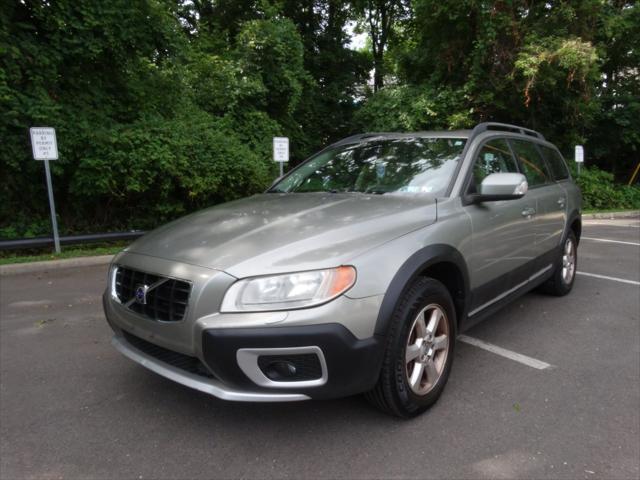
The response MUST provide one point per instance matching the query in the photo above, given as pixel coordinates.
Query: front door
(503, 232)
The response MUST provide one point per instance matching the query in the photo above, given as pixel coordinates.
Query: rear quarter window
(556, 163)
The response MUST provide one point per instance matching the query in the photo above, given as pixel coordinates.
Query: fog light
(290, 368)
(279, 371)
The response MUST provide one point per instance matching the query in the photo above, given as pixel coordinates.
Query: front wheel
(419, 351)
(564, 275)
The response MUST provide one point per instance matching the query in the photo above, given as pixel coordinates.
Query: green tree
(379, 18)
(153, 121)
(618, 40)
(82, 67)
(336, 74)
(568, 69)
(165, 106)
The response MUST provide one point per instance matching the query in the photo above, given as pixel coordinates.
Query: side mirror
(500, 186)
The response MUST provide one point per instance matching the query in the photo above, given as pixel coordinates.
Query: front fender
(413, 267)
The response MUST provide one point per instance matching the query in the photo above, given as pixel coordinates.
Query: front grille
(166, 302)
(178, 360)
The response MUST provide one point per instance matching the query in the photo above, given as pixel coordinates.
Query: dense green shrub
(600, 192)
(153, 171)
(150, 126)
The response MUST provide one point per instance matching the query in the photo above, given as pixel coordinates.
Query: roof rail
(358, 136)
(504, 127)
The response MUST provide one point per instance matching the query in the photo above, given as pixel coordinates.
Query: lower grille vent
(175, 359)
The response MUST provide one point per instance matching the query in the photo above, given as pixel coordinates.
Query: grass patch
(14, 256)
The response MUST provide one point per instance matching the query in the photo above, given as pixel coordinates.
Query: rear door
(503, 231)
(550, 198)
(560, 174)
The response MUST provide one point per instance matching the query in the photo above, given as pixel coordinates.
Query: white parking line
(609, 241)
(503, 352)
(605, 277)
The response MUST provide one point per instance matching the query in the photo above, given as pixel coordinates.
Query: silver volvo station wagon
(354, 272)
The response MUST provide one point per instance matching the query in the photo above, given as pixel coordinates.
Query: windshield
(409, 165)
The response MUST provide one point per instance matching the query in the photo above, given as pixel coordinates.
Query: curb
(611, 215)
(49, 265)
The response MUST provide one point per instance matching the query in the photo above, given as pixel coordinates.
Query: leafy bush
(153, 171)
(150, 125)
(412, 108)
(600, 192)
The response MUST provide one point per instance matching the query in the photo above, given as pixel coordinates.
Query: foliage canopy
(165, 106)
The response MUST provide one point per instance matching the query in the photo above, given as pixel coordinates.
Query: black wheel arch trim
(410, 270)
(571, 218)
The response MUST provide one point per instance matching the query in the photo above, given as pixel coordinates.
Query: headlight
(285, 292)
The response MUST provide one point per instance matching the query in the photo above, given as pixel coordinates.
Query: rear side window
(493, 157)
(531, 161)
(556, 163)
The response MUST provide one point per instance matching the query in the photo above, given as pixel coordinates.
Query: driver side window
(494, 157)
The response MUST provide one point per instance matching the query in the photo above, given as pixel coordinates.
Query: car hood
(274, 233)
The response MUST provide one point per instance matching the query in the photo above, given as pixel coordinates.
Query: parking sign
(43, 143)
(281, 149)
(45, 147)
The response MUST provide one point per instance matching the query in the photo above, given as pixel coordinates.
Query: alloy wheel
(568, 262)
(427, 349)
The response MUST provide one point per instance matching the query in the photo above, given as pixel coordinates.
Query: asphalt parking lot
(72, 407)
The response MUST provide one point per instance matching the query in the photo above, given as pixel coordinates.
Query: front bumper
(352, 365)
(197, 382)
(349, 365)
(228, 346)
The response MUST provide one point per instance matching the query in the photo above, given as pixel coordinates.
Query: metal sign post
(579, 156)
(45, 147)
(281, 151)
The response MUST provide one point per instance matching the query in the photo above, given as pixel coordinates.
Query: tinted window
(556, 163)
(405, 165)
(532, 164)
(494, 157)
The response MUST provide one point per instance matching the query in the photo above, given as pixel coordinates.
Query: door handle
(561, 202)
(527, 212)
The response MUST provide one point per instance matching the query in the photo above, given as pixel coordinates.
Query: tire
(561, 282)
(403, 389)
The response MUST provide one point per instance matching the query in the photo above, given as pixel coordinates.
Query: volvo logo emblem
(141, 294)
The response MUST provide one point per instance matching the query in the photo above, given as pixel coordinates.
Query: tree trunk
(378, 71)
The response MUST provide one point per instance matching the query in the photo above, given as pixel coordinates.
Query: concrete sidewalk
(611, 215)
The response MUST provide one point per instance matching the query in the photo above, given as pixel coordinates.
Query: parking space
(72, 407)
(609, 259)
(616, 230)
(612, 250)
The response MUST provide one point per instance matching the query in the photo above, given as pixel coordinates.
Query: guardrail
(69, 240)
